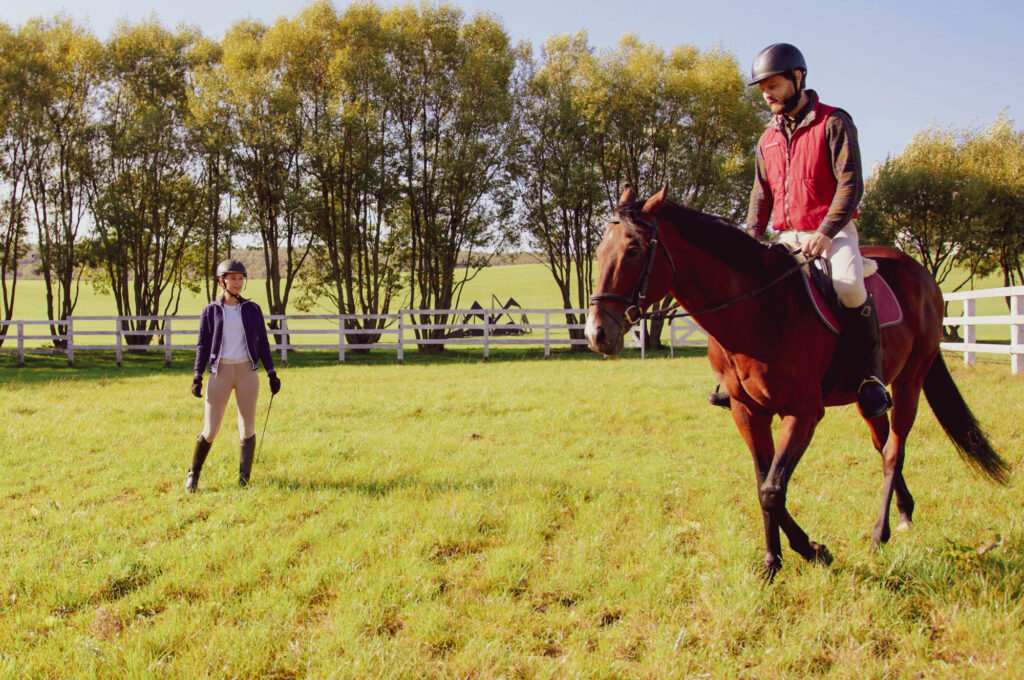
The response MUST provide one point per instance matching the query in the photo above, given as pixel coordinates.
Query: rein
(664, 314)
(633, 313)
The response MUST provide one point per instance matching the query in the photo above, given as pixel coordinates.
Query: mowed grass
(517, 518)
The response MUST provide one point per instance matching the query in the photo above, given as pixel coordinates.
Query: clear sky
(896, 65)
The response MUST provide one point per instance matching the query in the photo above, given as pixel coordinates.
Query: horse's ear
(654, 203)
(628, 196)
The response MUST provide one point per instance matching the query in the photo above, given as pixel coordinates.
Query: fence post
(69, 339)
(643, 338)
(547, 335)
(21, 344)
(970, 333)
(117, 323)
(672, 337)
(1016, 335)
(167, 340)
(401, 336)
(280, 340)
(487, 337)
(341, 338)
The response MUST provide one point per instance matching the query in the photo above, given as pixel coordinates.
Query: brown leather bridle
(635, 300)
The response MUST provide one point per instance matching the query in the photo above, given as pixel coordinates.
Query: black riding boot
(198, 458)
(862, 325)
(246, 453)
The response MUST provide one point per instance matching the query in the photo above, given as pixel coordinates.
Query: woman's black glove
(275, 383)
(197, 386)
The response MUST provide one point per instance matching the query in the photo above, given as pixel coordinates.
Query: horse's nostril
(600, 335)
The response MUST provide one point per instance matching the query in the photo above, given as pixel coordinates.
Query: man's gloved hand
(275, 383)
(197, 386)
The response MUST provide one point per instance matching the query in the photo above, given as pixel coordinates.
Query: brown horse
(772, 353)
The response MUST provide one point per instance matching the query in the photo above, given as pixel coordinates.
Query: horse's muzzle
(603, 333)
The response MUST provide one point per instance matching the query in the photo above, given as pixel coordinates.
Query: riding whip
(264, 435)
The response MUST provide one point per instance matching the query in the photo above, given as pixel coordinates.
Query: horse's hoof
(820, 554)
(769, 571)
(904, 525)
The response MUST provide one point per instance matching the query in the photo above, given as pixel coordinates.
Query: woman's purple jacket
(211, 331)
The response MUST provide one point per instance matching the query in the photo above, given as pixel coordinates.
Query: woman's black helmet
(231, 267)
(776, 60)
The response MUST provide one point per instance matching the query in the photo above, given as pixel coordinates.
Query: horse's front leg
(794, 437)
(756, 430)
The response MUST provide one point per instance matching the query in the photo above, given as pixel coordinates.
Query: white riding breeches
(845, 259)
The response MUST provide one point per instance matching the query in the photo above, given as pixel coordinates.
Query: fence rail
(970, 321)
(463, 327)
(485, 328)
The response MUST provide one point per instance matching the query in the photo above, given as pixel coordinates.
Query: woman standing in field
(233, 340)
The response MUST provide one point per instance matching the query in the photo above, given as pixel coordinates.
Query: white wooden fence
(537, 327)
(329, 331)
(970, 321)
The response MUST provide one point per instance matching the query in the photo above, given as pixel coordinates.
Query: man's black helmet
(231, 267)
(775, 60)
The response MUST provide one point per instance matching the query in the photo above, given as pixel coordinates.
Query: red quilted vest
(800, 173)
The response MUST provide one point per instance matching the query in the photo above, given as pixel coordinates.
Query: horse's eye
(632, 251)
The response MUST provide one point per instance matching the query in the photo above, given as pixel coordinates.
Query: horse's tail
(960, 425)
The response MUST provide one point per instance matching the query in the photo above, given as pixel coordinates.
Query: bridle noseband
(635, 300)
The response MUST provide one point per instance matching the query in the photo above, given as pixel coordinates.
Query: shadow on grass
(97, 364)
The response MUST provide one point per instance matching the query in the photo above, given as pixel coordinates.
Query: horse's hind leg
(905, 395)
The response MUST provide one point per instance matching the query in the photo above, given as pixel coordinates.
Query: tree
(994, 158)
(63, 69)
(338, 68)
(209, 137)
(15, 142)
(923, 201)
(452, 104)
(685, 118)
(266, 140)
(559, 181)
(146, 205)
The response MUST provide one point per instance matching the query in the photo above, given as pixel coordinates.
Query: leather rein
(635, 300)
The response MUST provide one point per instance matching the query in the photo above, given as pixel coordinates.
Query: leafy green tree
(266, 142)
(684, 118)
(559, 181)
(145, 203)
(62, 64)
(452, 99)
(338, 68)
(209, 138)
(923, 202)
(994, 158)
(15, 142)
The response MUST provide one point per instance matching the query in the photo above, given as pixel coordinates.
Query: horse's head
(633, 271)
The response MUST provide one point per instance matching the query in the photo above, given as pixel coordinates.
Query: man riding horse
(808, 180)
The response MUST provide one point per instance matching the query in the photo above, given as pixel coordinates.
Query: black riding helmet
(231, 267)
(774, 60)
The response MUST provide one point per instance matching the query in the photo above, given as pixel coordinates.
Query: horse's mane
(716, 236)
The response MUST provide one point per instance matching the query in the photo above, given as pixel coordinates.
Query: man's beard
(790, 103)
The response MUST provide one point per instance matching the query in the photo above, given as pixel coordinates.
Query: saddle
(818, 283)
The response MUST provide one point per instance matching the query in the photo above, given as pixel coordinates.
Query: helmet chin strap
(224, 287)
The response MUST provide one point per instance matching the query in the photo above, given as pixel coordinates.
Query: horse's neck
(711, 281)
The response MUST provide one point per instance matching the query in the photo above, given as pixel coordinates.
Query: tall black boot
(198, 458)
(246, 453)
(862, 325)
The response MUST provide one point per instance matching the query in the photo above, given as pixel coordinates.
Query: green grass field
(517, 518)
